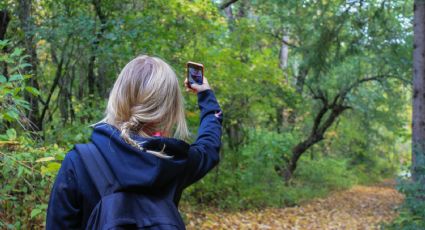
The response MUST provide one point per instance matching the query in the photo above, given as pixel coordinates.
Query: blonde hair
(146, 98)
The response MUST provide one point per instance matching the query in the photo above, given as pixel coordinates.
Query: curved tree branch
(226, 4)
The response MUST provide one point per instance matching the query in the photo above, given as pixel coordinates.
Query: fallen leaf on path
(361, 207)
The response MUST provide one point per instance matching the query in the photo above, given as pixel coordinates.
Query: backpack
(119, 209)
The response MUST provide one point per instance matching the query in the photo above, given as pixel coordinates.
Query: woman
(134, 140)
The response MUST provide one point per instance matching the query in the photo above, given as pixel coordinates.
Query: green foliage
(412, 213)
(327, 173)
(67, 134)
(373, 169)
(246, 179)
(27, 176)
(9, 136)
(268, 109)
(27, 172)
(12, 86)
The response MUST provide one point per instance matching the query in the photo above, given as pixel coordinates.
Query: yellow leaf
(44, 159)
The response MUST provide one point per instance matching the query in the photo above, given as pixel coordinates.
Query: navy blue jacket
(74, 195)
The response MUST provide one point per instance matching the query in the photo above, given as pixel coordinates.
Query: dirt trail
(361, 207)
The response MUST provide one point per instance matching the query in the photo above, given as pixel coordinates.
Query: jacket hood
(134, 168)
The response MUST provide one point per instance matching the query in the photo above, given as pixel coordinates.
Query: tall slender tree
(418, 126)
(26, 18)
(4, 22)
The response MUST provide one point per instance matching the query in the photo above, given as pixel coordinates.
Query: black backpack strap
(98, 169)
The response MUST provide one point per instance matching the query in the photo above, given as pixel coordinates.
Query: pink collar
(157, 134)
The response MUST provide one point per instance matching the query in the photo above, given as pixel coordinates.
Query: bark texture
(418, 126)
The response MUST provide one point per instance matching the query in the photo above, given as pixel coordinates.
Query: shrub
(27, 176)
(372, 168)
(247, 178)
(412, 212)
(325, 173)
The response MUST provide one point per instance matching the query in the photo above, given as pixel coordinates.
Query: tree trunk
(95, 46)
(418, 118)
(102, 79)
(71, 106)
(320, 126)
(235, 134)
(297, 151)
(64, 97)
(322, 123)
(300, 80)
(299, 87)
(283, 53)
(25, 11)
(4, 22)
(283, 62)
(90, 74)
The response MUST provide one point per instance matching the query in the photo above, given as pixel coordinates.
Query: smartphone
(195, 73)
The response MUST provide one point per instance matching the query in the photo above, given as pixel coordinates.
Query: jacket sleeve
(204, 152)
(64, 211)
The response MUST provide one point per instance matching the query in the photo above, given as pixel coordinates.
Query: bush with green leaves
(326, 173)
(412, 212)
(12, 88)
(247, 179)
(27, 171)
(27, 176)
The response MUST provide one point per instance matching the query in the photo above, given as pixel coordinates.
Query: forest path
(361, 207)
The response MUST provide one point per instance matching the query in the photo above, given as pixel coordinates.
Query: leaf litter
(361, 207)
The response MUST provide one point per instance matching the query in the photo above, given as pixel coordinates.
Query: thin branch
(41, 100)
(99, 12)
(58, 75)
(319, 95)
(315, 95)
(277, 36)
(344, 92)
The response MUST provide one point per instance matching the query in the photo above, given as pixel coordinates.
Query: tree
(4, 21)
(26, 18)
(335, 54)
(418, 119)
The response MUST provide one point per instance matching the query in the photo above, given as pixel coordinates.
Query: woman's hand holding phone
(196, 88)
